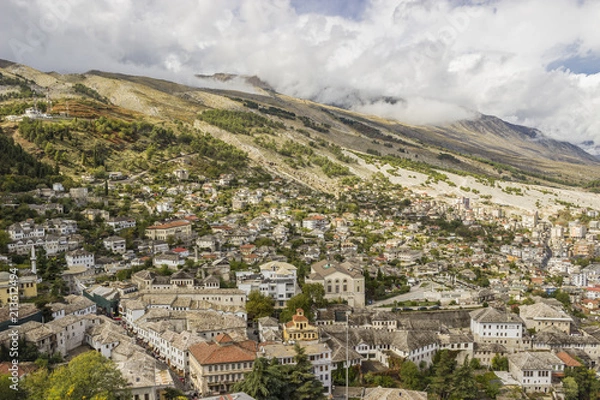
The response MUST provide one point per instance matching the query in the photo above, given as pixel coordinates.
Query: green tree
(302, 301)
(265, 382)
(259, 305)
(305, 384)
(442, 380)
(316, 293)
(571, 388)
(87, 376)
(587, 383)
(464, 386)
(411, 376)
(499, 363)
(6, 393)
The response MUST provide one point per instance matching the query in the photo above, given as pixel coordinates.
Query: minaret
(33, 260)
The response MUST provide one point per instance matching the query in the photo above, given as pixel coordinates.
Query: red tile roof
(567, 359)
(173, 224)
(224, 352)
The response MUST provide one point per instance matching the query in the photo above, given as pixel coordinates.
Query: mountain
(313, 143)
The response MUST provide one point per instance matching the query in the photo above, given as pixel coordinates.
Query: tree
(464, 385)
(316, 292)
(587, 384)
(571, 388)
(499, 363)
(6, 393)
(444, 366)
(170, 393)
(302, 301)
(87, 376)
(305, 384)
(265, 381)
(259, 305)
(411, 376)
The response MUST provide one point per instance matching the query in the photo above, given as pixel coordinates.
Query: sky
(531, 62)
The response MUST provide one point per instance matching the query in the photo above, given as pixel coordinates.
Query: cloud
(521, 60)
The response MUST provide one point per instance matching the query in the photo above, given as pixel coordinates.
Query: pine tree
(304, 383)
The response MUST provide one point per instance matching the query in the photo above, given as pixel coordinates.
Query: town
(188, 282)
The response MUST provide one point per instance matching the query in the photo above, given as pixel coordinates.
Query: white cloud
(441, 56)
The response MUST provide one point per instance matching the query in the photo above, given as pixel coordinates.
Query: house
(315, 221)
(80, 258)
(534, 370)
(299, 328)
(170, 259)
(340, 280)
(268, 330)
(27, 312)
(541, 315)
(490, 325)
(180, 229)
(120, 223)
(116, 244)
(13, 287)
(276, 279)
(72, 305)
(25, 230)
(217, 365)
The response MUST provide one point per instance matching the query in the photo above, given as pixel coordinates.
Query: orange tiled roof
(229, 352)
(173, 224)
(567, 359)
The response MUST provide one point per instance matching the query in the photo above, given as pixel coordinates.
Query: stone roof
(553, 336)
(380, 393)
(268, 322)
(325, 268)
(531, 361)
(492, 315)
(542, 311)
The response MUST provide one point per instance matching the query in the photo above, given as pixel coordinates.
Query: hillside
(115, 122)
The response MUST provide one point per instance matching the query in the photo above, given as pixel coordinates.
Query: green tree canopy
(259, 305)
(87, 376)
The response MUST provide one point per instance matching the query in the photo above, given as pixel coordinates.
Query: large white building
(533, 370)
(340, 280)
(78, 258)
(489, 325)
(276, 279)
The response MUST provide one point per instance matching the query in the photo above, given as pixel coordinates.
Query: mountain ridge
(485, 146)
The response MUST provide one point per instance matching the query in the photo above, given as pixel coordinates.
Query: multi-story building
(25, 230)
(80, 258)
(534, 370)
(217, 365)
(276, 279)
(73, 305)
(340, 280)
(299, 328)
(22, 286)
(119, 223)
(176, 229)
(541, 315)
(115, 244)
(489, 325)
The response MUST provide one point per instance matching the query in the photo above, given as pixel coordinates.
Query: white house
(79, 258)
(533, 370)
(489, 325)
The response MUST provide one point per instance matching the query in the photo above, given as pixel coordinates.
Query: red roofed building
(216, 366)
(177, 229)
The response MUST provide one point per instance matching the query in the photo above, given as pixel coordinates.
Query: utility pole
(347, 345)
